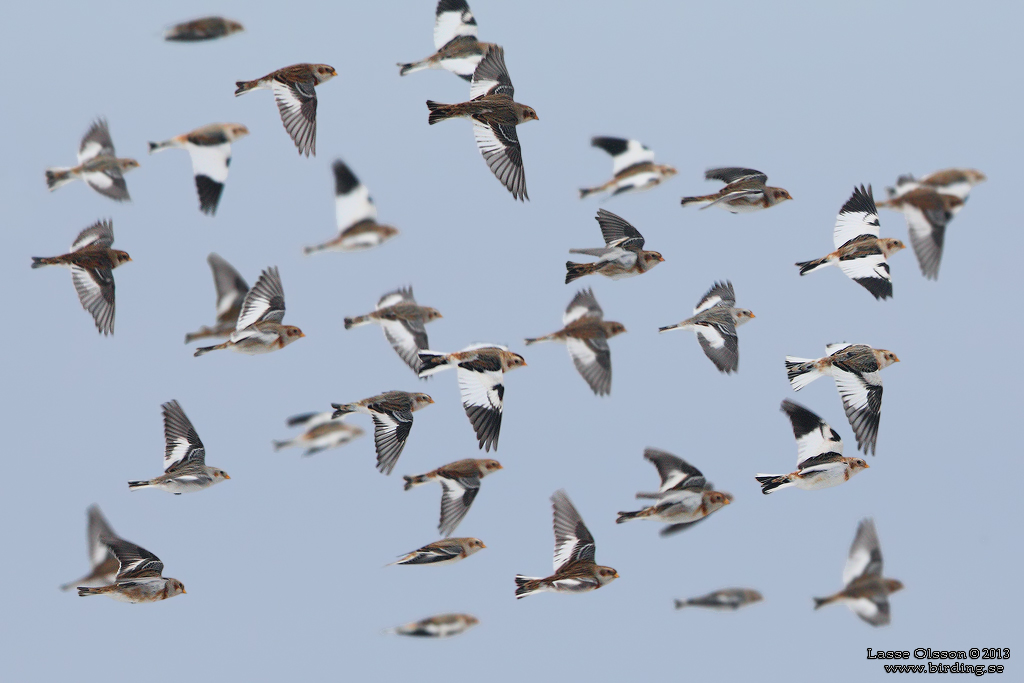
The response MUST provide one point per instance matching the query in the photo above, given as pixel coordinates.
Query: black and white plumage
(855, 369)
(623, 254)
(745, 191)
(633, 167)
(715, 321)
(927, 212)
(819, 462)
(866, 591)
(402, 320)
(210, 150)
(185, 468)
(440, 626)
(445, 551)
(103, 563)
(726, 599)
(392, 421)
(460, 484)
(231, 289)
(455, 42)
(860, 253)
(140, 575)
(322, 432)
(98, 165)
(676, 474)
(294, 89)
(481, 372)
(355, 214)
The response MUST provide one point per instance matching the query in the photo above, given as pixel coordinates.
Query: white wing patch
(635, 153)
(872, 266)
(354, 207)
(853, 224)
(452, 24)
(480, 388)
(211, 161)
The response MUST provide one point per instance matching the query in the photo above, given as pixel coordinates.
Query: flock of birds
(250, 320)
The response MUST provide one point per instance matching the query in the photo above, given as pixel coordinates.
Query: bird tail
(86, 590)
(587, 191)
(410, 482)
(206, 349)
(157, 146)
(201, 333)
(431, 362)
(678, 326)
(536, 340)
(821, 602)
(575, 271)
(55, 177)
(278, 445)
(244, 86)
(811, 266)
(439, 112)
(40, 261)
(680, 604)
(802, 371)
(342, 409)
(648, 495)
(526, 585)
(628, 516)
(770, 482)
(357, 321)
(413, 67)
(696, 200)
(313, 250)
(132, 485)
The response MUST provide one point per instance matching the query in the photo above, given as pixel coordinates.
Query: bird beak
(895, 359)
(500, 467)
(752, 315)
(184, 592)
(867, 466)
(482, 544)
(227, 476)
(661, 259)
(616, 575)
(430, 399)
(302, 334)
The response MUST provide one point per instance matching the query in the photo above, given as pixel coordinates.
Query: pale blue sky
(283, 564)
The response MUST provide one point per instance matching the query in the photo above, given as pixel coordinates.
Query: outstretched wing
(181, 442)
(265, 301)
(573, 540)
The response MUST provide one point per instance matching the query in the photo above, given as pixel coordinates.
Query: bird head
(219, 474)
(290, 333)
(891, 245)
(885, 358)
(511, 360)
(121, 257)
(235, 131)
(323, 73)
(777, 194)
(606, 575)
(488, 466)
(527, 114)
(127, 164)
(233, 27)
(741, 315)
(419, 400)
(431, 313)
(612, 329)
(175, 587)
(473, 545)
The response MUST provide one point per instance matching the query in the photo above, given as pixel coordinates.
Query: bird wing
(181, 442)
(857, 217)
(720, 343)
(583, 305)
(674, 471)
(720, 294)
(99, 234)
(816, 442)
(617, 231)
(352, 201)
(97, 530)
(861, 393)
(870, 272)
(482, 388)
(96, 142)
(593, 360)
(625, 153)
(499, 145)
(873, 609)
(296, 101)
(136, 562)
(109, 182)
(731, 174)
(491, 76)
(265, 301)
(210, 168)
(573, 540)
(927, 230)
(390, 431)
(398, 296)
(456, 497)
(95, 287)
(231, 288)
(452, 20)
(865, 557)
(311, 420)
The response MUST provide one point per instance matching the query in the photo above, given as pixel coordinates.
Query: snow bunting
(139, 577)
(586, 336)
(231, 290)
(355, 214)
(295, 95)
(621, 256)
(92, 262)
(724, 599)
(185, 468)
(206, 28)
(745, 191)
(321, 433)
(392, 421)
(441, 626)
(104, 564)
(495, 116)
(684, 498)
(575, 568)
(210, 150)
(859, 253)
(855, 368)
(715, 321)
(927, 212)
(866, 591)
(481, 371)
(460, 482)
(258, 328)
(445, 551)
(633, 167)
(819, 455)
(458, 50)
(955, 181)
(402, 320)
(98, 165)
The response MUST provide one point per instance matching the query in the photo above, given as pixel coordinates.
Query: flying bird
(445, 551)
(139, 577)
(322, 432)
(98, 165)
(231, 290)
(633, 167)
(715, 321)
(207, 28)
(928, 212)
(258, 328)
(440, 626)
(684, 498)
(355, 214)
(855, 368)
(819, 455)
(586, 335)
(103, 562)
(866, 591)
(575, 568)
(210, 150)
(724, 599)
(495, 116)
(457, 49)
(402, 320)
(621, 256)
(860, 253)
(392, 421)
(481, 372)
(745, 191)
(92, 262)
(185, 468)
(295, 95)
(955, 181)
(460, 484)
